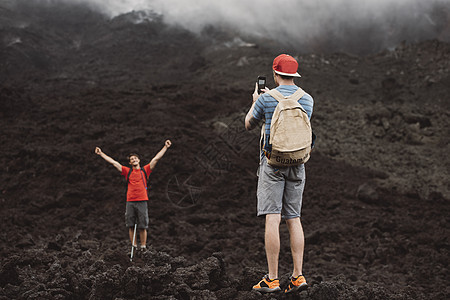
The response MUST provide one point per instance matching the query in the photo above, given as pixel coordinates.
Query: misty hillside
(376, 203)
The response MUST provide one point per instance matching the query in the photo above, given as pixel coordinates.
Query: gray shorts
(136, 213)
(280, 190)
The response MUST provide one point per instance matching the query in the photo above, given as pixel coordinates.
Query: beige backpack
(290, 131)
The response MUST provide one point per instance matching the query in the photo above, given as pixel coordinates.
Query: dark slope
(376, 204)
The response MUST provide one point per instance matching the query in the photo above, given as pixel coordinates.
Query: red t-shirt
(137, 184)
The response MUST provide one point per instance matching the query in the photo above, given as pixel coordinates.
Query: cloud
(341, 24)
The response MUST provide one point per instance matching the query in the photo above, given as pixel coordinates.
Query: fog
(341, 24)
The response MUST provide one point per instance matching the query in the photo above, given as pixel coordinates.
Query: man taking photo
(280, 188)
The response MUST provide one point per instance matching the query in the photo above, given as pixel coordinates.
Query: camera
(261, 83)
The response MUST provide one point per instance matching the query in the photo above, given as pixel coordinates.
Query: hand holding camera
(261, 84)
(260, 87)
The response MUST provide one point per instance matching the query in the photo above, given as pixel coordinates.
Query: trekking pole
(132, 243)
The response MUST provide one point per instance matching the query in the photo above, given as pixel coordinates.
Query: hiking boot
(267, 286)
(143, 249)
(296, 283)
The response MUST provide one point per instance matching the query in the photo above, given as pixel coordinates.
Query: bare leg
(272, 242)
(297, 244)
(143, 236)
(131, 233)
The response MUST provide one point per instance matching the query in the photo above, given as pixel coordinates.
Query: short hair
(285, 77)
(133, 154)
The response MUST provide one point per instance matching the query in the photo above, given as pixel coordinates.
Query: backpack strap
(262, 140)
(298, 94)
(145, 182)
(145, 174)
(131, 170)
(277, 95)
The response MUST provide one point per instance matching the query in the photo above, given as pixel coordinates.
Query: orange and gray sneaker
(296, 283)
(267, 285)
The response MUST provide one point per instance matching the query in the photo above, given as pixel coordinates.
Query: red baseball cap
(285, 64)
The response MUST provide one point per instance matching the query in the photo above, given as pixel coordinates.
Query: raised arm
(160, 154)
(117, 165)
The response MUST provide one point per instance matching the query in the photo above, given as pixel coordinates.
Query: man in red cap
(280, 189)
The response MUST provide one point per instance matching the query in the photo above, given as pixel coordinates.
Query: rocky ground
(376, 205)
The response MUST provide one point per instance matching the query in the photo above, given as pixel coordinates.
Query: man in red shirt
(137, 197)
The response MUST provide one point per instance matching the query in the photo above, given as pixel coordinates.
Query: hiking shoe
(143, 249)
(267, 286)
(296, 283)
